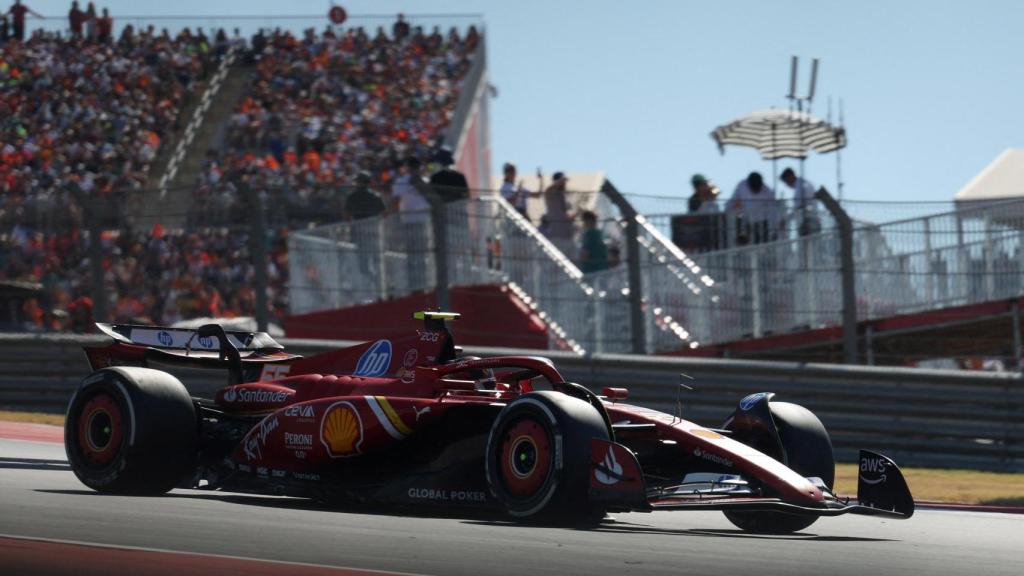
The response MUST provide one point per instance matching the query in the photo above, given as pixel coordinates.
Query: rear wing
(187, 339)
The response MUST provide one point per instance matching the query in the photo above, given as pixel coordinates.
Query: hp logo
(376, 360)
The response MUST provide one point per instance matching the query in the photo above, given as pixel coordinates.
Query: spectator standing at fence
(18, 12)
(593, 250)
(5, 31)
(512, 191)
(805, 206)
(363, 202)
(90, 22)
(448, 183)
(104, 27)
(407, 195)
(361, 207)
(754, 206)
(703, 200)
(559, 222)
(400, 29)
(75, 20)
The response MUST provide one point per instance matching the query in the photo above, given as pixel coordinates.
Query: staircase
(169, 204)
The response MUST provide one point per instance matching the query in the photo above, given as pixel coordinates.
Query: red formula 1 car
(407, 421)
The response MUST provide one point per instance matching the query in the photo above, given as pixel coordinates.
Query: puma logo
(418, 411)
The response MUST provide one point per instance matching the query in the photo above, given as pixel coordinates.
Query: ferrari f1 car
(411, 421)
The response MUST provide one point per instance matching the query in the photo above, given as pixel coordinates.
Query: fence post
(848, 274)
(636, 310)
(438, 219)
(258, 251)
(99, 293)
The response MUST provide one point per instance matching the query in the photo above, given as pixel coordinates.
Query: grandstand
(162, 178)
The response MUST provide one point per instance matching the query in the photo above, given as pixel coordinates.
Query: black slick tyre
(808, 452)
(538, 457)
(131, 430)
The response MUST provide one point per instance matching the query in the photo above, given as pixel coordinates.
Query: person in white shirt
(805, 206)
(512, 191)
(756, 210)
(414, 217)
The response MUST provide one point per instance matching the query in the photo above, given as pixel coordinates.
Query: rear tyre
(538, 457)
(808, 452)
(131, 430)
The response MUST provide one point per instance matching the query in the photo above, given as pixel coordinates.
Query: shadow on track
(619, 527)
(32, 464)
(474, 517)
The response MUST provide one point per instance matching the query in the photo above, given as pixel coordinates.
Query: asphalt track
(42, 501)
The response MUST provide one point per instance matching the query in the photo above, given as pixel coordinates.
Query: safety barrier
(918, 417)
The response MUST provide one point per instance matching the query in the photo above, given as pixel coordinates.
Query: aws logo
(875, 470)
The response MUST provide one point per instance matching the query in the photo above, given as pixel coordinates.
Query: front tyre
(808, 451)
(538, 456)
(131, 430)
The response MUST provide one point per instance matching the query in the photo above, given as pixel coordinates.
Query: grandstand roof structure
(1002, 179)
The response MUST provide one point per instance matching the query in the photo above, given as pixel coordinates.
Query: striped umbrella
(780, 134)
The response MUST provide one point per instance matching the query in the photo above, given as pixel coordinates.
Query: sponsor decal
(245, 468)
(256, 396)
(274, 371)
(262, 472)
(376, 360)
(165, 338)
(874, 467)
(612, 465)
(440, 495)
(306, 476)
(257, 438)
(304, 412)
(278, 473)
(430, 336)
(710, 457)
(708, 434)
(293, 441)
(749, 402)
(408, 371)
(420, 412)
(341, 431)
(388, 418)
(206, 342)
(407, 375)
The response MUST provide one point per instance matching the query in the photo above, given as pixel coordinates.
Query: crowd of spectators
(323, 108)
(81, 123)
(82, 117)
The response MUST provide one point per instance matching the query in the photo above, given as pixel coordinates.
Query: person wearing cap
(559, 222)
(704, 197)
(449, 184)
(805, 206)
(754, 206)
(363, 202)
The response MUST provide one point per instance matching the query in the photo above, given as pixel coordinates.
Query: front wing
(617, 481)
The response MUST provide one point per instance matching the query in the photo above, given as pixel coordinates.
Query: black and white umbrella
(780, 134)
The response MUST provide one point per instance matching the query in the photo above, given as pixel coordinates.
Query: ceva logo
(376, 360)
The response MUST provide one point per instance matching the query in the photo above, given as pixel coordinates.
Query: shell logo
(341, 431)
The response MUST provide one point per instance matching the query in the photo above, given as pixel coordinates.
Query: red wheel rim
(525, 458)
(100, 430)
